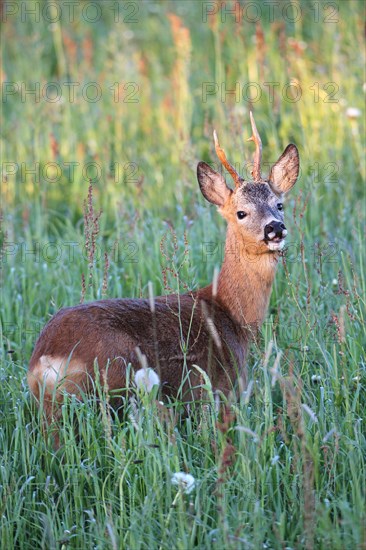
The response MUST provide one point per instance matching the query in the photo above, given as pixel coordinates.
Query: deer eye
(241, 214)
(280, 206)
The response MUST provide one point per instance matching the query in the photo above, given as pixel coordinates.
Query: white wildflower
(185, 482)
(146, 379)
(353, 112)
(334, 282)
(316, 379)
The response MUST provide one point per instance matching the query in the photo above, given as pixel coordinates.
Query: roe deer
(210, 327)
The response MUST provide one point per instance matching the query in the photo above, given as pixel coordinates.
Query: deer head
(253, 209)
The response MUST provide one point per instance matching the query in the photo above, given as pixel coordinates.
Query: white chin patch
(276, 246)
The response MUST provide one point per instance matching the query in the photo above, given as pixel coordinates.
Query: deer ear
(212, 184)
(284, 173)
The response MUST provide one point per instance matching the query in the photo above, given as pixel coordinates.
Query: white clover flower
(146, 379)
(353, 112)
(185, 482)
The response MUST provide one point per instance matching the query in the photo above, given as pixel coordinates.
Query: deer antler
(222, 157)
(256, 172)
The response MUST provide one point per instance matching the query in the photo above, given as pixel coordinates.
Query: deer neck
(245, 280)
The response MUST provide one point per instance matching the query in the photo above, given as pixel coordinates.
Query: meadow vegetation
(113, 204)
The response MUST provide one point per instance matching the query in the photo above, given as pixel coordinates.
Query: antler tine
(256, 172)
(222, 157)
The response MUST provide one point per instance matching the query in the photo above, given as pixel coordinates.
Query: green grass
(295, 476)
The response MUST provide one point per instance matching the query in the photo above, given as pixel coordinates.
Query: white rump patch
(51, 369)
(55, 373)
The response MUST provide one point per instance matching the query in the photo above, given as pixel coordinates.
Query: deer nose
(275, 229)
